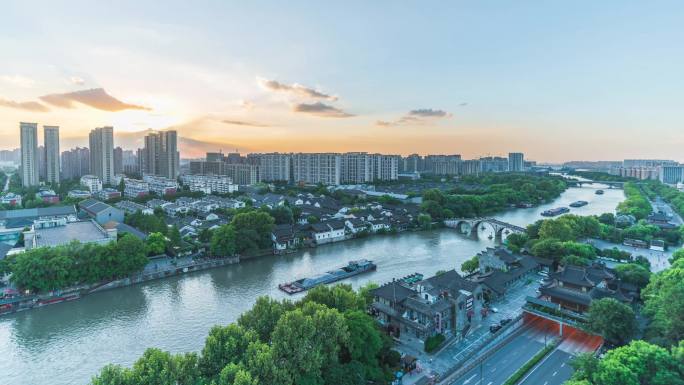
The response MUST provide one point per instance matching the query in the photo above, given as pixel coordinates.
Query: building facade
(671, 174)
(516, 162)
(51, 144)
(28, 133)
(102, 153)
(315, 168)
(75, 163)
(273, 167)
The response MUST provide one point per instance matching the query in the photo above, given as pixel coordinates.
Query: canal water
(68, 343)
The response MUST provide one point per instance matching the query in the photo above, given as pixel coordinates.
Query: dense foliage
(326, 338)
(433, 342)
(636, 203)
(147, 223)
(664, 305)
(491, 193)
(49, 268)
(638, 363)
(612, 319)
(247, 233)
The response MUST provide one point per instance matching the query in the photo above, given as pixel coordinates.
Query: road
(496, 369)
(555, 368)
(660, 205)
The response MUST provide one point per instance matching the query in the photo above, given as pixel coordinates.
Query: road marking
(493, 370)
(469, 379)
(563, 365)
(554, 373)
(546, 382)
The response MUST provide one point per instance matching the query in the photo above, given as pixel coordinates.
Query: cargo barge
(555, 212)
(353, 268)
(579, 204)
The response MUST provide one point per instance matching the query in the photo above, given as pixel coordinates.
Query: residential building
(161, 156)
(215, 157)
(47, 196)
(118, 160)
(79, 194)
(129, 163)
(28, 133)
(469, 167)
(315, 168)
(516, 162)
(493, 164)
(419, 308)
(108, 193)
(92, 183)
(442, 164)
(51, 144)
(499, 269)
(273, 167)
(75, 163)
(412, 164)
(629, 163)
(135, 188)
(356, 168)
(161, 185)
(130, 207)
(102, 153)
(385, 167)
(209, 184)
(241, 174)
(42, 167)
(11, 199)
(101, 212)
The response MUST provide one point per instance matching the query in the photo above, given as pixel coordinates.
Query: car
(494, 328)
(543, 273)
(493, 310)
(505, 321)
(543, 281)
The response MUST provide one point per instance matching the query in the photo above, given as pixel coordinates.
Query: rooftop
(84, 232)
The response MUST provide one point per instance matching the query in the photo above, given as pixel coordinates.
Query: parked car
(505, 321)
(493, 310)
(494, 328)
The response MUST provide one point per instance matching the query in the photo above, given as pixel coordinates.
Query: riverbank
(22, 303)
(63, 345)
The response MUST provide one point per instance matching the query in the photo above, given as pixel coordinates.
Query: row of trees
(490, 193)
(636, 203)
(49, 268)
(326, 338)
(670, 194)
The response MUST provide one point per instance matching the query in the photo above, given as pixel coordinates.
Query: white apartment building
(209, 183)
(314, 168)
(135, 188)
(274, 167)
(51, 144)
(28, 133)
(161, 185)
(92, 183)
(386, 167)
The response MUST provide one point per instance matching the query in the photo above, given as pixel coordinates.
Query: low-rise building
(101, 212)
(160, 185)
(284, 237)
(92, 183)
(79, 194)
(13, 222)
(446, 303)
(130, 207)
(136, 188)
(11, 199)
(209, 184)
(108, 193)
(63, 232)
(499, 269)
(47, 196)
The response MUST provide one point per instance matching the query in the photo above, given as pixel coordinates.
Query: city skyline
(460, 78)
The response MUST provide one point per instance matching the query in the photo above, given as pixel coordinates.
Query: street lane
(554, 370)
(496, 369)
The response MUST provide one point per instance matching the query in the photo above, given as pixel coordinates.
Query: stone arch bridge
(470, 226)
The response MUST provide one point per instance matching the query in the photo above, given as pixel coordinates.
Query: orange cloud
(97, 98)
(28, 106)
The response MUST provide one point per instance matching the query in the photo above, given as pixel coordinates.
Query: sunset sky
(594, 80)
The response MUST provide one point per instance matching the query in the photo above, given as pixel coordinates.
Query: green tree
(223, 346)
(633, 273)
(424, 221)
(282, 215)
(252, 231)
(556, 229)
(364, 344)
(223, 241)
(294, 331)
(471, 265)
(264, 316)
(156, 244)
(615, 321)
(664, 305)
(174, 236)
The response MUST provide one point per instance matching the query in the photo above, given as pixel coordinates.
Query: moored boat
(353, 268)
(555, 212)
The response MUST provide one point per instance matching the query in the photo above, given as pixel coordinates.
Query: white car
(493, 310)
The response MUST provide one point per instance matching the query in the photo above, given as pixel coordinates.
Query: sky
(559, 81)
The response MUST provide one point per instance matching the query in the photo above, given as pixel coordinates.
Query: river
(68, 343)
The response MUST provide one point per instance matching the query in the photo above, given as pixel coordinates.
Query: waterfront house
(130, 207)
(379, 225)
(356, 225)
(575, 287)
(499, 270)
(446, 303)
(284, 237)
